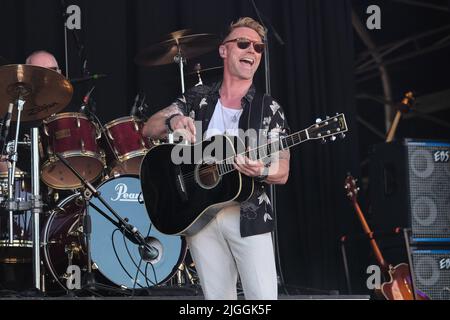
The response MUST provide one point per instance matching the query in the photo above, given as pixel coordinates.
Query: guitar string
(295, 139)
(191, 175)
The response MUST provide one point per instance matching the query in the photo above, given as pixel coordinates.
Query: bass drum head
(116, 259)
(115, 255)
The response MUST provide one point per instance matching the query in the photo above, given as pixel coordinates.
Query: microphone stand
(66, 49)
(147, 251)
(270, 28)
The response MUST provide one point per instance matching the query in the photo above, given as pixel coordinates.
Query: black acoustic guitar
(185, 186)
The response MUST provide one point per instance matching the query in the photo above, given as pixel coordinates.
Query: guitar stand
(147, 251)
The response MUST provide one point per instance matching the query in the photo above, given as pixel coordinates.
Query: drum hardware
(37, 207)
(31, 93)
(198, 70)
(184, 276)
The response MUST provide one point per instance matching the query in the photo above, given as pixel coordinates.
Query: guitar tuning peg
(327, 117)
(318, 120)
(342, 135)
(333, 138)
(323, 141)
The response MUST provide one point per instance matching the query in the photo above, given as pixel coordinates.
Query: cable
(117, 256)
(131, 258)
(137, 271)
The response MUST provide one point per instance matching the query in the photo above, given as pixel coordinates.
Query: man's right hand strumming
(183, 126)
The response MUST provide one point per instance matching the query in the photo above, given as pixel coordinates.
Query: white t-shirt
(224, 121)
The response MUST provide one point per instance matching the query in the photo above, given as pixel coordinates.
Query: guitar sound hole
(207, 175)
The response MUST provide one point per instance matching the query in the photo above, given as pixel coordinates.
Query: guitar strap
(253, 118)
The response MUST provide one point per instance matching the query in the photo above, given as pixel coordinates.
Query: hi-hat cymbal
(179, 42)
(44, 91)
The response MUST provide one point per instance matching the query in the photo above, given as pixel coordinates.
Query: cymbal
(44, 91)
(179, 42)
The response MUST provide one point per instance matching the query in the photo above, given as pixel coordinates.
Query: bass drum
(116, 260)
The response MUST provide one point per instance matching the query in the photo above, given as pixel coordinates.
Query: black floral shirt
(199, 103)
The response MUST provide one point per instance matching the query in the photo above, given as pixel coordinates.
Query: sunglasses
(244, 43)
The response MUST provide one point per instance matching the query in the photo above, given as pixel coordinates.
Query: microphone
(134, 107)
(146, 251)
(84, 106)
(90, 77)
(143, 106)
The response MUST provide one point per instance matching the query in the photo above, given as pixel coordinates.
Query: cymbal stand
(197, 69)
(12, 161)
(36, 204)
(36, 207)
(180, 60)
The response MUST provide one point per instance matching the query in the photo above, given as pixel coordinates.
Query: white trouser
(219, 252)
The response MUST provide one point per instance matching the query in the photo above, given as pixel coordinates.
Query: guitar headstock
(351, 187)
(328, 128)
(407, 103)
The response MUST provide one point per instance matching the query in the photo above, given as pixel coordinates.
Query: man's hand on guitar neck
(251, 168)
(276, 173)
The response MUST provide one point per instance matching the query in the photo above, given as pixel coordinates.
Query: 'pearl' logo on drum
(123, 195)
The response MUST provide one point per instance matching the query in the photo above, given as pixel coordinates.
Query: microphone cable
(118, 258)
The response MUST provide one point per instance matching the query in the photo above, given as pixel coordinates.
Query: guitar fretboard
(227, 165)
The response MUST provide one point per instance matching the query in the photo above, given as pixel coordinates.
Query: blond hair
(248, 22)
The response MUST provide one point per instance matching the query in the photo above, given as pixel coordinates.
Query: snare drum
(127, 144)
(75, 137)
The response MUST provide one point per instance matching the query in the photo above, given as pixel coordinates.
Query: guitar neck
(369, 233)
(260, 153)
(394, 126)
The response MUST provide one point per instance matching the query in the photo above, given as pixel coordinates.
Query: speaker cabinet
(410, 187)
(432, 272)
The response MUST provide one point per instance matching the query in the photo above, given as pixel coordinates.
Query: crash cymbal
(179, 42)
(44, 91)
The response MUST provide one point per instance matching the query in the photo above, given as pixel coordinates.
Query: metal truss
(366, 64)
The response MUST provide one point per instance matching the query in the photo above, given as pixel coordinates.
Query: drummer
(44, 59)
(40, 58)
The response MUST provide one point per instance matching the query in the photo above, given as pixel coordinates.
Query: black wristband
(263, 175)
(169, 127)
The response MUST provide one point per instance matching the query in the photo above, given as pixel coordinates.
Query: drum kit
(102, 226)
